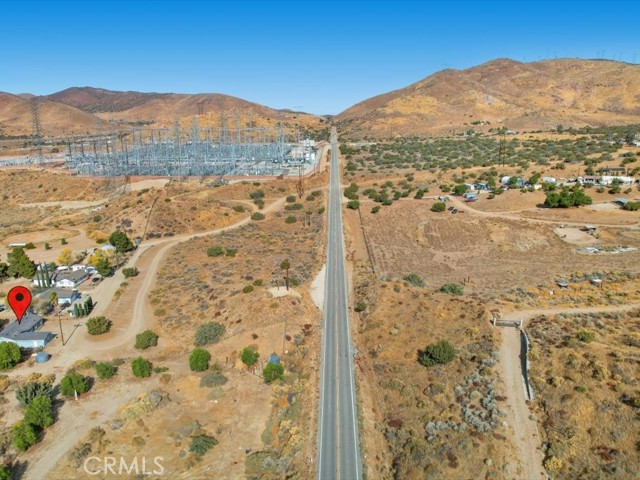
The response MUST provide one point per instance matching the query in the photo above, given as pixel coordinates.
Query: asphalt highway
(338, 445)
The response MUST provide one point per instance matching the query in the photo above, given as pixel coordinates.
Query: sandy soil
(575, 236)
(523, 429)
(318, 288)
(158, 183)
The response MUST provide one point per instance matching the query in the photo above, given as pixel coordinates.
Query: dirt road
(526, 436)
(75, 419)
(79, 345)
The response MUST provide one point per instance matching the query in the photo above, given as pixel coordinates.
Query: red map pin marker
(19, 299)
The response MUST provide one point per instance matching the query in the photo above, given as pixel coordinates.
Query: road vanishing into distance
(338, 446)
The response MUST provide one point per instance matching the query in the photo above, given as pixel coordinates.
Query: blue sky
(321, 57)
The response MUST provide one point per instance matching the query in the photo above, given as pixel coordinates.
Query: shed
(621, 201)
(562, 283)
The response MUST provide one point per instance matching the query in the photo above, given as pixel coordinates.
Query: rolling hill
(506, 93)
(83, 109)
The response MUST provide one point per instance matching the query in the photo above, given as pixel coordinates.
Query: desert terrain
(261, 430)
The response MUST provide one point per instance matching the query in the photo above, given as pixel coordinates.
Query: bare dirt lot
(493, 253)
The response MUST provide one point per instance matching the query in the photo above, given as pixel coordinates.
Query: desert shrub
(238, 208)
(212, 379)
(199, 360)
(272, 372)
(84, 364)
(247, 289)
(29, 246)
(160, 369)
(39, 412)
(249, 356)
(321, 210)
(439, 207)
(141, 367)
(24, 435)
(30, 390)
(98, 325)
(201, 444)
(353, 204)
(291, 199)
(452, 289)
(360, 307)
(9, 355)
(375, 209)
(414, 279)
(258, 282)
(230, 252)
(105, 370)
(130, 272)
(437, 354)
(73, 383)
(146, 339)
(290, 219)
(208, 333)
(5, 473)
(586, 337)
(215, 251)
(257, 216)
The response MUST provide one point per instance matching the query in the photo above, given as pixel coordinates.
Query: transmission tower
(36, 126)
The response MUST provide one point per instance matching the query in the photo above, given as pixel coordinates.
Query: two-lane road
(338, 446)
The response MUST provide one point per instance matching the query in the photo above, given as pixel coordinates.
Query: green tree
(272, 372)
(9, 355)
(439, 207)
(141, 367)
(130, 272)
(286, 266)
(200, 444)
(103, 266)
(24, 435)
(199, 360)
(120, 240)
(208, 333)
(105, 370)
(28, 391)
(20, 265)
(535, 178)
(437, 353)
(4, 271)
(249, 356)
(39, 412)
(146, 339)
(460, 189)
(98, 325)
(5, 473)
(73, 383)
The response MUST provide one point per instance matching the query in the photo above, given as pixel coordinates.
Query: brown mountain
(520, 96)
(83, 109)
(55, 118)
(162, 109)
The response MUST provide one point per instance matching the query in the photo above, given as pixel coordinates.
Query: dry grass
(586, 393)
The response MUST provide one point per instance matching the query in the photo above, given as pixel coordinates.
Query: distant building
(71, 278)
(25, 334)
(65, 296)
